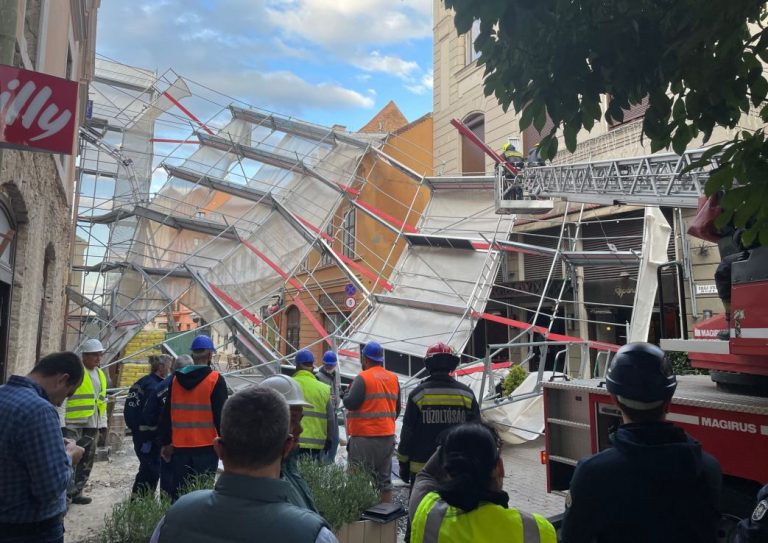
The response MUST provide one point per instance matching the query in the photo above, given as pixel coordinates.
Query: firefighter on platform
(436, 404)
(515, 159)
(655, 483)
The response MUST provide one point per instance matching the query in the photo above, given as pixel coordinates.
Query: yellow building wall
(376, 247)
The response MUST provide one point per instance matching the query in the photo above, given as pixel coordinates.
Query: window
(472, 157)
(348, 234)
(327, 259)
(292, 331)
(46, 296)
(474, 32)
(334, 324)
(70, 64)
(634, 112)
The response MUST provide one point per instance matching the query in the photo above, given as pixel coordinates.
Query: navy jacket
(754, 528)
(655, 485)
(155, 403)
(138, 394)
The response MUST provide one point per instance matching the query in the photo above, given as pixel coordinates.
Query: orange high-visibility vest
(376, 416)
(191, 414)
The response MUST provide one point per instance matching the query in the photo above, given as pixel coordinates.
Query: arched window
(472, 157)
(293, 328)
(45, 297)
(7, 253)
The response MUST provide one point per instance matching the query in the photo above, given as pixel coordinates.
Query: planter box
(367, 531)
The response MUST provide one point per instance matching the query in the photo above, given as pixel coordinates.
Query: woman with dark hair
(458, 496)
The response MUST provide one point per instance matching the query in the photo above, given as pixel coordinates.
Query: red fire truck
(727, 411)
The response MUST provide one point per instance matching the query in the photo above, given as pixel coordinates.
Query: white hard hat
(289, 388)
(92, 345)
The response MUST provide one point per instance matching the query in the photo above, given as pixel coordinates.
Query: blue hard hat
(329, 358)
(202, 342)
(304, 356)
(640, 372)
(374, 351)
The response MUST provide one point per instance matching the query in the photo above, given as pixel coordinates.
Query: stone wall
(31, 189)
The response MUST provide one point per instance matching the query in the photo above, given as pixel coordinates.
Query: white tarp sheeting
(456, 277)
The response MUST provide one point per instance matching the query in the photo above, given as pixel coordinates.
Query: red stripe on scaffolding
(471, 136)
(480, 368)
(348, 261)
(366, 272)
(295, 284)
(482, 246)
(387, 217)
(314, 228)
(345, 352)
(310, 316)
(236, 306)
(187, 112)
(599, 345)
(348, 189)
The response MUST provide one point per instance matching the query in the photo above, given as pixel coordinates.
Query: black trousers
(723, 274)
(188, 463)
(149, 466)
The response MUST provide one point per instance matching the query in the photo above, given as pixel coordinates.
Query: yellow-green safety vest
(83, 403)
(435, 521)
(315, 420)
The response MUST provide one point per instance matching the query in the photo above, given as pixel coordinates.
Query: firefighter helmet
(440, 357)
(641, 376)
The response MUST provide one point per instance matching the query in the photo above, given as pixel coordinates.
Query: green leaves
(699, 63)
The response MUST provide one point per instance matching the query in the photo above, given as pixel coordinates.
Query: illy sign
(37, 111)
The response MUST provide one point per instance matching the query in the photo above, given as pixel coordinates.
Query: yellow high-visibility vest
(435, 520)
(84, 402)
(315, 420)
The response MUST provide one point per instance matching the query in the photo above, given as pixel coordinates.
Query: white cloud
(352, 22)
(227, 47)
(424, 85)
(288, 88)
(395, 66)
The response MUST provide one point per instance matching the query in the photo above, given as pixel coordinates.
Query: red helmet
(440, 357)
(438, 348)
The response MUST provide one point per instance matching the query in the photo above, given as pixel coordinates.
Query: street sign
(706, 289)
(37, 111)
(350, 302)
(350, 290)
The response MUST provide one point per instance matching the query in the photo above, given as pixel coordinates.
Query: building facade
(37, 188)
(458, 94)
(328, 300)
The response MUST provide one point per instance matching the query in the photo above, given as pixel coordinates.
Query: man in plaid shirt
(35, 460)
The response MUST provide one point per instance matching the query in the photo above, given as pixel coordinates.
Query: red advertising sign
(37, 111)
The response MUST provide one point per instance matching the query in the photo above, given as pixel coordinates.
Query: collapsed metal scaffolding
(220, 212)
(188, 196)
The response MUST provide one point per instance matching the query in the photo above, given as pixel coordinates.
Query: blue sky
(326, 61)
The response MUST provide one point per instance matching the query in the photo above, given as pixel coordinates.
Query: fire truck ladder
(653, 180)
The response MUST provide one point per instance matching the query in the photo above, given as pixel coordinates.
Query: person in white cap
(86, 415)
(300, 494)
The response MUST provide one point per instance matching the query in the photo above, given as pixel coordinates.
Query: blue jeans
(53, 534)
(190, 462)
